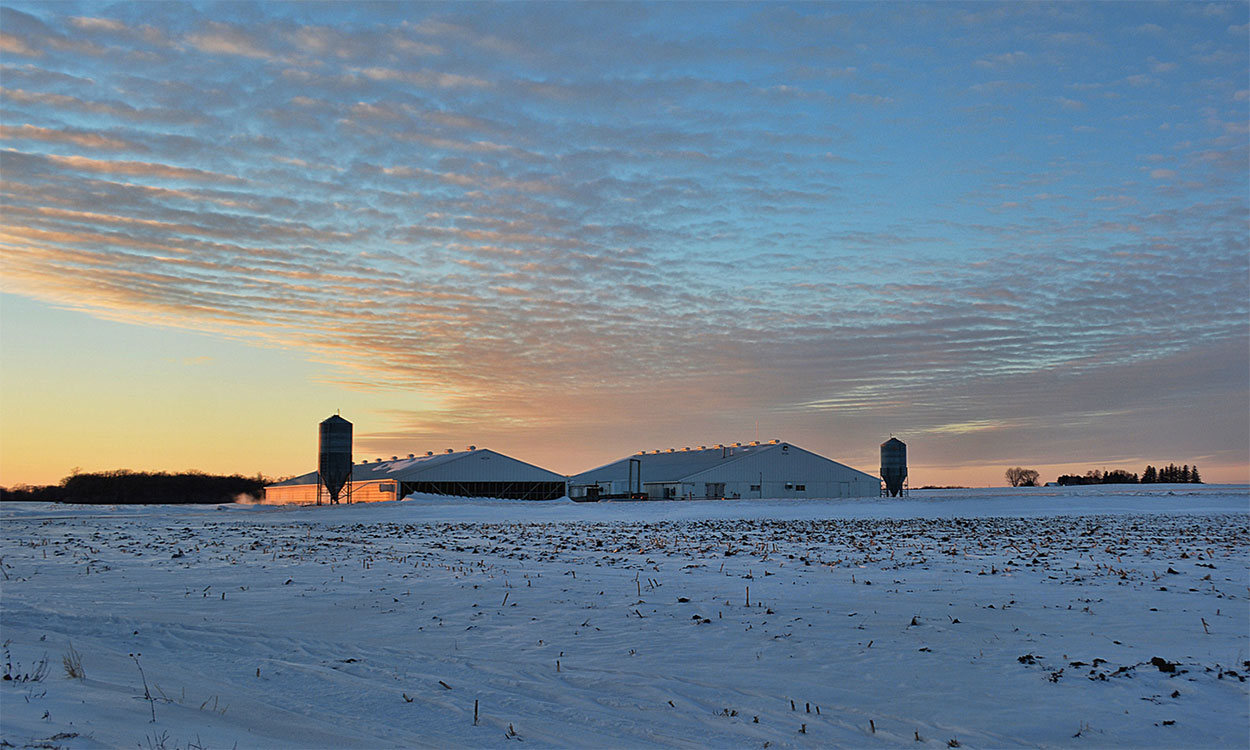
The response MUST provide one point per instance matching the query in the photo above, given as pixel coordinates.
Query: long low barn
(756, 470)
(476, 472)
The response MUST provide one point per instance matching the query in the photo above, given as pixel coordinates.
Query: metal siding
(668, 467)
(291, 494)
(774, 468)
(370, 492)
(774, 464)
(306, 494)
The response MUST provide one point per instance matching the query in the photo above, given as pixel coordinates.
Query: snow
(987, 618)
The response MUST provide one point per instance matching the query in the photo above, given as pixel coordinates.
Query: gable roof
(411, 469)
(673, 465)
(685, 465)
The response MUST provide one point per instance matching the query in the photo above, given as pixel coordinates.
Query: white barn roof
(696, 465)
(478, 464)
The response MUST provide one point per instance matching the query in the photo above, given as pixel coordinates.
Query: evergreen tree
(1118, 476)
(1185, 474)
(1193, 476)
(1150, 475)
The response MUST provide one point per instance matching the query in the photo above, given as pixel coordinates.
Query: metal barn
(753, 470)
(474, 472)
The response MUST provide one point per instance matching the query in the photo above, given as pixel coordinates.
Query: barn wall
(291, 494)
(798, 488)
(372, 492)
(306, 494)
(508, 490)
(773, 470)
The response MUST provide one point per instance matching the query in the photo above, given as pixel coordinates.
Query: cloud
(1002, 60)
(136, 169)
(876, 100)
(543, 225)
(111, 108)
(82, 138)
(88, 23)
(225, 39)
(423, 78)
(13, 45)
(999, 87)
(1072, 38)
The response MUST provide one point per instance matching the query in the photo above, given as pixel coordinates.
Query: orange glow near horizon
(167, 400)
(451, 238)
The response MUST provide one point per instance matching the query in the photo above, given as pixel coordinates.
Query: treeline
(141, 488)
(1170, 474)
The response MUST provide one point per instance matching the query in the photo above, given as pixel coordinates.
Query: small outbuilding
(754, 470)
(474, 472)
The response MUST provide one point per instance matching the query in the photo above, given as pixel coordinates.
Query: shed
(475, 472)
(754, 470)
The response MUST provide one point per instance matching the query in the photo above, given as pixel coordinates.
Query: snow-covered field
(1088, 617)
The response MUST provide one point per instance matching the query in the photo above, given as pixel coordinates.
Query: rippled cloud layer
(1002, 230)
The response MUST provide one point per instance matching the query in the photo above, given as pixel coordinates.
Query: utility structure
(894, 467)
(334, 460)
(753, 470)
(472, 472)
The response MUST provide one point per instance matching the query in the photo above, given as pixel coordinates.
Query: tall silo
(894, 465)
(334, 459)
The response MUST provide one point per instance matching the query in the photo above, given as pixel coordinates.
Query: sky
(1008, 234)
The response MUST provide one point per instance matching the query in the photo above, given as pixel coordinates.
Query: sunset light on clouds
(1007, 233)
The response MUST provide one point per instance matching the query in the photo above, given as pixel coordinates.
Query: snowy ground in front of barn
(987, 618)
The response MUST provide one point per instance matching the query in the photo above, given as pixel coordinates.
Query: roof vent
(720, 445)
(411, 456)
(378, 460)
(755, 442)
(774, 441)
(394, 458)
(686, 448)
(737, 445)
(429, 453)
(672, 450)
(472, 447)
(702, 447)
(451, 450)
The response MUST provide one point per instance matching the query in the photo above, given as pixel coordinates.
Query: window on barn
(755, 488)
(800, 488)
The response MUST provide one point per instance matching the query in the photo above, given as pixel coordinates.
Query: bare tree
(1019, 477)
